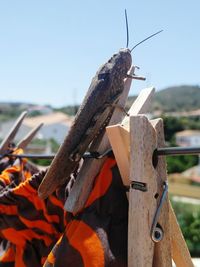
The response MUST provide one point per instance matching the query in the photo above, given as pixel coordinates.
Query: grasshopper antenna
(127, 32)
(146, 39)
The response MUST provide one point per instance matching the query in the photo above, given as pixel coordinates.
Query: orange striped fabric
(96, 236)
(30, 224)
(13, 171)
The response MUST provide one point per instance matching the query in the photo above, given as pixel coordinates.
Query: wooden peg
(120, 142)
(142, 204)
(119, 134)
(28, 138)
(141, 105)
(173, 245)
(162, 250)
(11, 135)
(180, 252)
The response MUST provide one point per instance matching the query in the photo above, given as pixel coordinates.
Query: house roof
(48, 119)
(188, 133)
(193, 174)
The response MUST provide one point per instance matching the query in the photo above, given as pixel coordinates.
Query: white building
(56, 126)
(188, 138)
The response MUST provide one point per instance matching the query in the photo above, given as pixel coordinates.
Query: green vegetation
(181, 163)
(8, 116)
(171, 126)
(179, 98)
(54, 147)
(173, 99)
(41, 162)
(69, 110)
(188, 216)
(34, 113)
(10, 110)
(174, 124)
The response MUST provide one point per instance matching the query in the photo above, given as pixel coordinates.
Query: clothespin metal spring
(156, 230)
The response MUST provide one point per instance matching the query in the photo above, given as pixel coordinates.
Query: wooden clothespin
(153, 238)
(29, 137)
(4, 146)
(12, 133)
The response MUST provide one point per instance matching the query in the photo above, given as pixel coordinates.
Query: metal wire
(173, 151)
(95, 155)
(166, 151)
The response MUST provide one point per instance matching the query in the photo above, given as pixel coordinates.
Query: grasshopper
(92, 117)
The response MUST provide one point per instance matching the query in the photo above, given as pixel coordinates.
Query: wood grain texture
(162, 250)
(119, 135)
(141, 105)
(180, 252)
(142, 205)
(120, 142)
(29, 137)
(173, 244)
(12, 133)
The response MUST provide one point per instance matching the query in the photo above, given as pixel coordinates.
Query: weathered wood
(119, 135)
(162, 249)
(180, 252)
(142, 205)
(11, 135)
(173, 244)
(120, 142)
(28, 138)
(145, 96)
(91, 167)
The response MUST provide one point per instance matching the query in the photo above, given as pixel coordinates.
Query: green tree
(171, 126)
(188, 216)
(180, 163)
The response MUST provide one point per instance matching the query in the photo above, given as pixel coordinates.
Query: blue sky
(50, 50)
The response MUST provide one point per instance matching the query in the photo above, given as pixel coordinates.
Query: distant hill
(179, 98)
(9, 110)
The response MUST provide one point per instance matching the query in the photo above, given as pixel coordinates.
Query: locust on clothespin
(93, 116)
